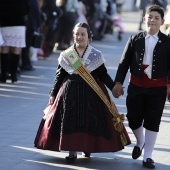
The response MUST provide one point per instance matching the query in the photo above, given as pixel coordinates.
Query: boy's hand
(117, 90)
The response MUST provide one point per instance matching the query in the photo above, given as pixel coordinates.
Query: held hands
(117, 90)
(51, 100)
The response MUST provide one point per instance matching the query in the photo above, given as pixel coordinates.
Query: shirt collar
(155, 36)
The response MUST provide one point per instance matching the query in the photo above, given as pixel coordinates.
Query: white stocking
(150, 139)
(139, 134)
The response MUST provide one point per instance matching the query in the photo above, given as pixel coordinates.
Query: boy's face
(153, 22)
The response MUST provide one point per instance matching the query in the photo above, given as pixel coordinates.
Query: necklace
(78, 52)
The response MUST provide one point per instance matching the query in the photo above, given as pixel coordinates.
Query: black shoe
(60, 48)
(85, 154)
(3, 80)
(119, 37)
(14, 78)
(149, 163)
(27, 68)
(136, 153)
(71, 159)
(140, 29)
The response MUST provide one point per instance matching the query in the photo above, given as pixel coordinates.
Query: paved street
(22, 105)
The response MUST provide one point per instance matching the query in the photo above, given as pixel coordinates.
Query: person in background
(162, 3)
(12, 16)
(77, 112)
(147, 55)
(32, 26)
(167, 19)
(143, 4)
(93, 13)
(66, 23)
(1, 42)
(119, 4)
(134, 5)
(40, 2)
(81, 11)
(50, 16)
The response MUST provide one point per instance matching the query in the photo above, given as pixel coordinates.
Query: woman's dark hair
(156, 8)
(84, 25)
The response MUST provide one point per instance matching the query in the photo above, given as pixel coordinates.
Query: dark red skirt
(78, 120)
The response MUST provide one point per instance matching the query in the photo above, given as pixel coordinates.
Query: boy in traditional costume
(147, 55)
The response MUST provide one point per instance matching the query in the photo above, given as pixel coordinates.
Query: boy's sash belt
(76, 63)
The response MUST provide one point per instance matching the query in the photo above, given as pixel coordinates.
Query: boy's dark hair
(84, 25)
(156, 8)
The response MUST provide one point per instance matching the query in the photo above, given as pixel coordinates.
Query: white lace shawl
(92, 59)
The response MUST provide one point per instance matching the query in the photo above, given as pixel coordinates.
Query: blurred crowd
(32, 29)
(142, 5)
(59, 17)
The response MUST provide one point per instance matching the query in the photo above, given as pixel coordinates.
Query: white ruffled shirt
(150, 43)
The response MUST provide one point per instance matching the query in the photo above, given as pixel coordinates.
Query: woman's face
(80, 37)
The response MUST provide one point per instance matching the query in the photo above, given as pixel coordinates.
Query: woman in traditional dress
(78, 119)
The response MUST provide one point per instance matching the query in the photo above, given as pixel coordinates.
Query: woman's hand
(51, 100)
(117, 90)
